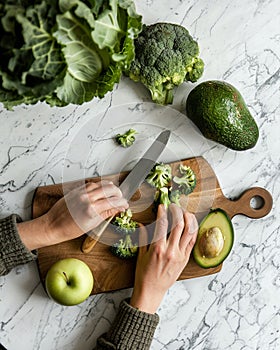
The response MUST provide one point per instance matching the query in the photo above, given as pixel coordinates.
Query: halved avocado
(214, 240)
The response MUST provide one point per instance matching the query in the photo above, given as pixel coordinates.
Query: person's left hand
(79, 211)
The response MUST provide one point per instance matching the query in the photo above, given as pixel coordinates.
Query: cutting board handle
(256, 202)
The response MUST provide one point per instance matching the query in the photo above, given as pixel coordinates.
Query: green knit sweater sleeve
(132, 329)
(12, 251)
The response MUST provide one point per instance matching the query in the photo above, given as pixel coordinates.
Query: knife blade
(131, 183)
(144, 165)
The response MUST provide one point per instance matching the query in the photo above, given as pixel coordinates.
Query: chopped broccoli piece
(187, 181)
(124, 222)
(166, 55)
(162, 197)
(124, 248)
(126, 139)
(160, 176)
(175, 197)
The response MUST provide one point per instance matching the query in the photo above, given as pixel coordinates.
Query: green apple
(69, 281)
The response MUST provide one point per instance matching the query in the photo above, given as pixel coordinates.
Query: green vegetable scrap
(166, 55)
(160, 176)
(127, 139)
(168, 189)
(64, 51)
(125, 248)
(187, 181)
(124, 222)
(162, 197)
(175, 196)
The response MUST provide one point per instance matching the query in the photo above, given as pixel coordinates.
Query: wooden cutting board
(111, 273)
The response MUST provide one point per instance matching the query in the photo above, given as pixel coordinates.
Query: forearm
(12, 250)
(35, 233)
(131, 329)
(146, 302)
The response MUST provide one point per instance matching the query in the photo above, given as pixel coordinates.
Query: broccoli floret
(124, 248)
(166, 55)
(187, 181)
(160, 175)
(175, 197)
(162, 197)
(126, 139)
(166, 196)
(124, 222)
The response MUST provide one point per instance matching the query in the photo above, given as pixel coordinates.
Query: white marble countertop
(237, 308)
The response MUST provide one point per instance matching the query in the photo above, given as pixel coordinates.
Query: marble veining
(239, 307)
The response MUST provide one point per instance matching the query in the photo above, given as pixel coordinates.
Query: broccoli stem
(169, 97)
(162, 96)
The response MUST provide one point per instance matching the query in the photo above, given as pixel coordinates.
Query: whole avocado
(219, 111)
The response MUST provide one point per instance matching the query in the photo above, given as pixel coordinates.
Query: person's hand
(79, 211)
(160, 264)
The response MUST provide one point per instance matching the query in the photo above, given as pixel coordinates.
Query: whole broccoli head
(187, 181)
(126, 139)
(160, 175)
(124, 248)
(166, 55)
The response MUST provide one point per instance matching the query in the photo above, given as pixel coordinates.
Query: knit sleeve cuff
(12, 251)
(131, 329)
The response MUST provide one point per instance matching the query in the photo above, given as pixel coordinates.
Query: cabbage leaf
(66, 51)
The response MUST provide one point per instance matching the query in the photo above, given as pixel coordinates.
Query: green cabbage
(65, 51)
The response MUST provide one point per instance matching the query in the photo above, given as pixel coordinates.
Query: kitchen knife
(130, 184)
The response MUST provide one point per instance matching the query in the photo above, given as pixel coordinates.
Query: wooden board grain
(111, 273)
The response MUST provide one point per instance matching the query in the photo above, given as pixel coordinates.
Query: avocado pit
(211, 242)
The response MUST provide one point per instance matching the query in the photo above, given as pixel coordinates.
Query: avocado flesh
(220, 238)
(219, 111)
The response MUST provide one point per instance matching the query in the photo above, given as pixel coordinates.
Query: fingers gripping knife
(131, 184)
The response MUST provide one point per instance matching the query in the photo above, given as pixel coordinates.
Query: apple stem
(67, 280)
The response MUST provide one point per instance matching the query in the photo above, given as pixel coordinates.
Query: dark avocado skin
(219, 111)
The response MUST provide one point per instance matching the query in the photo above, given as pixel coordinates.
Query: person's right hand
(160, 264)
